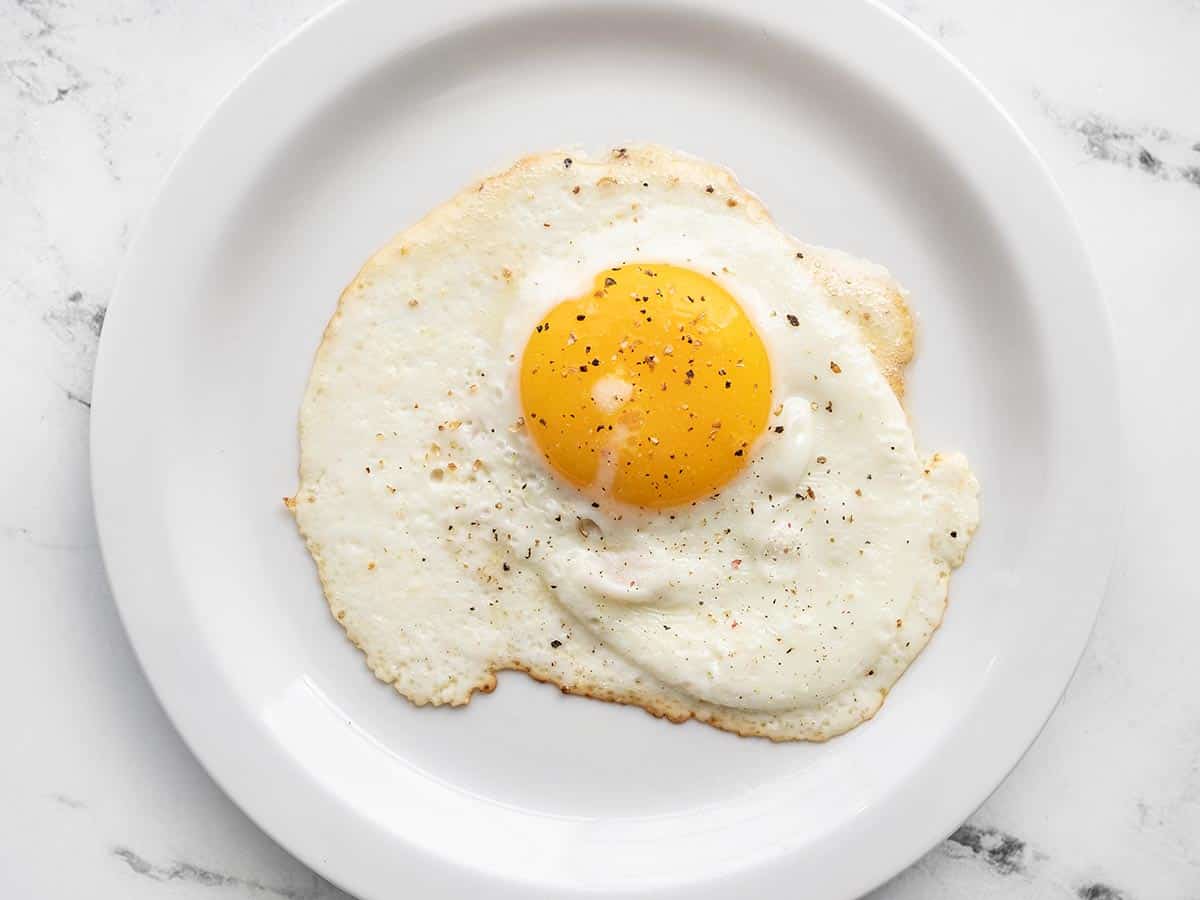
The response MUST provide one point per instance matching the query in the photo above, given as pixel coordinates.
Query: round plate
(858, 133)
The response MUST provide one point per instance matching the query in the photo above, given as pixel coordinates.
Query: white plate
(857, 132)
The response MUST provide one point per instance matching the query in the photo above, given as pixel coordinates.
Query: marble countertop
(103, 800)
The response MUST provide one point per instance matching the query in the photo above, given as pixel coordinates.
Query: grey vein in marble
(191, 873)
(79, 323)
(1010, 859)
(44, 76)
(76, 398)
(1002, 852)
(1099, 891)
(1156, 152)
(76, 320)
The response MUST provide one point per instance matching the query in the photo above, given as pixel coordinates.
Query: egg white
(784, 605)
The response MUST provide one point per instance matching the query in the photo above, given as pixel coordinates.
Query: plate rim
(105, 441)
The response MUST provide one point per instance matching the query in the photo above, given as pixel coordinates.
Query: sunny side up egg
(600, 420)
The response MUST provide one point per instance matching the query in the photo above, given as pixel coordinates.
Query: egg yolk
(650, 389)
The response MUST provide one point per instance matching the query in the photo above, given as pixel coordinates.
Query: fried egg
(600, 420)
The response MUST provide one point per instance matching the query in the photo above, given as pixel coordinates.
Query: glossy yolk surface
(650, 389)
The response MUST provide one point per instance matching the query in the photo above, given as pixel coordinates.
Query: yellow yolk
(651, 388)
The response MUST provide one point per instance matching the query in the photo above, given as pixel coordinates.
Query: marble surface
(101, 798)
